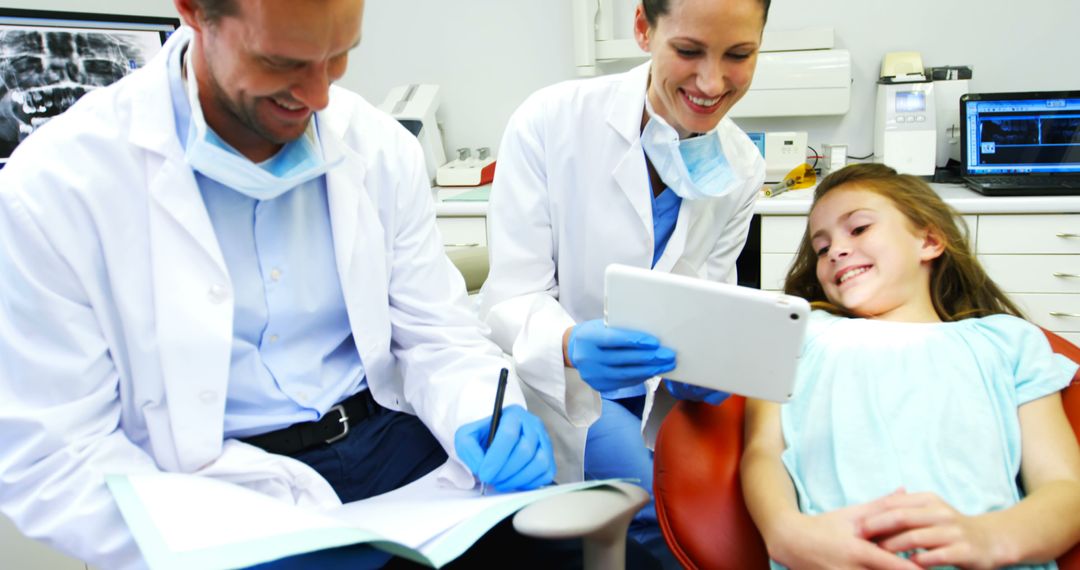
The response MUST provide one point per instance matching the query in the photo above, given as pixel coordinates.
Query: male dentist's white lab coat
(116, 311)
(571, 196)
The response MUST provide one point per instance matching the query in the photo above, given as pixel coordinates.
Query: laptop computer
(1021, 144)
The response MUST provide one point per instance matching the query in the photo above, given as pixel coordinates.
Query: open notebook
(184, 521)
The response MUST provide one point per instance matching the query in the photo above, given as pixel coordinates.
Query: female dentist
(641, 168)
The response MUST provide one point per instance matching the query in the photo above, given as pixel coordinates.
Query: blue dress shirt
(293, 353)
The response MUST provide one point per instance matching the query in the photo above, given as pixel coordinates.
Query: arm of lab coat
(519, 300)
(449, 367)
(61, 409)
(59, 403)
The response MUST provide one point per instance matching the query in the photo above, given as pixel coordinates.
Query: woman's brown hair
(959, 286)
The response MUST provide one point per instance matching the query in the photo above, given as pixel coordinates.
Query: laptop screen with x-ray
(1021, 133)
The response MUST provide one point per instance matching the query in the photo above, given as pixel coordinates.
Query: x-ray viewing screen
(48, 60)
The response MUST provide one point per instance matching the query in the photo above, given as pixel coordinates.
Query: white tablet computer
(736, 339)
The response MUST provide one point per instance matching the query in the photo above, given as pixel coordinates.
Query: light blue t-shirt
(931, 407)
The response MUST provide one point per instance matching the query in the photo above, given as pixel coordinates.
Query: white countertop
(797, 202)
(965, 200)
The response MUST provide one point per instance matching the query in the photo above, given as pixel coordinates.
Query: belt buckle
(344, 421)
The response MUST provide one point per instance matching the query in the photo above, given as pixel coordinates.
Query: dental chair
(696, 481)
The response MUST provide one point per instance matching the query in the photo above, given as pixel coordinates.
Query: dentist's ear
(933, 244)
(642, 29)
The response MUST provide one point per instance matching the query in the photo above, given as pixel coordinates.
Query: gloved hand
(610, 358)
(520, 457)
(684, 391)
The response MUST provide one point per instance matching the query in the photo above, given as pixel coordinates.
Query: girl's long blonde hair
(959, 286)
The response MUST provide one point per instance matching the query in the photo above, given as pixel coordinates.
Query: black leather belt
(334, 425)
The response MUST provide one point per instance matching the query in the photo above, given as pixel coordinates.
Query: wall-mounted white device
(415, 106)
(799, 73)
(905, 128)
(783, 152)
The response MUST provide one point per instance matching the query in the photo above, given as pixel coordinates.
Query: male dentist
(222, 265)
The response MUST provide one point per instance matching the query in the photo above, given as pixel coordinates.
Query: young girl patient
(921, 398)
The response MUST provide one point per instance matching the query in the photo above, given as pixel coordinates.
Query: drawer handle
(1063, 275)
(1067, 235)
(1063, 314)
(473, 244)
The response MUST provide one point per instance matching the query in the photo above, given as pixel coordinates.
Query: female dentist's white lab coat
(116, 311)
(572, 195)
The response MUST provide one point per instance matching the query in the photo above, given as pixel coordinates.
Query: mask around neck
(695, 167)
(298, 162)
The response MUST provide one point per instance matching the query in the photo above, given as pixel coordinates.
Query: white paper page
(419, 511)
(193, 512)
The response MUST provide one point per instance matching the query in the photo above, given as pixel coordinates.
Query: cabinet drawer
(1034, 273)
(463, 231)
(1056, 312)
(1048, 233)
(774, 268)
(781, 234)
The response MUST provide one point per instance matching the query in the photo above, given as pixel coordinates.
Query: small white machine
(415, 106)
(783, 152)
(468, 170)
(905, 130)
(950, 83)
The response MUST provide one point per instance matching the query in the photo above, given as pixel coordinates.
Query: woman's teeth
(703, 102)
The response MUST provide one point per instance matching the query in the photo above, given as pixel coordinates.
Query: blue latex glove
(520, 456)
(609, 358)
(684, 391)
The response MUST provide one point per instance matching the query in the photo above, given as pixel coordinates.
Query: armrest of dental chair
(696, 481)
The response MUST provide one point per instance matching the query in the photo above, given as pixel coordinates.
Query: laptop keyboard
(1028, 181)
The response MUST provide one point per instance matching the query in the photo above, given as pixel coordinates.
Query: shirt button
(275, 274)
(208, 396)
(218, 293)
(273, 338)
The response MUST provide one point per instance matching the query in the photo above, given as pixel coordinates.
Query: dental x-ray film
(48, 60)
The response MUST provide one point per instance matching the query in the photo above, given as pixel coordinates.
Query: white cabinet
(1035, 259)
(462, 231)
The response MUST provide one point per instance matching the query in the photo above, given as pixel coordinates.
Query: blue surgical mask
(299, 161)
(693, 168)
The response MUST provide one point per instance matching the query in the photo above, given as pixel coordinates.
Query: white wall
(488, 55)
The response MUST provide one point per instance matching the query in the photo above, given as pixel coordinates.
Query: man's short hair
(214, 10)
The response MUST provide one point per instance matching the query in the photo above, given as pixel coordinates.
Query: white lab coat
(116, 311)
(572, 195)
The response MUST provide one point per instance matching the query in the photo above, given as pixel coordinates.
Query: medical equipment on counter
(415, 107)
(783, 152)
(468, 170)
(798, 74)
(834, 157)
(905, 129)
(950, 83)
(802, 176)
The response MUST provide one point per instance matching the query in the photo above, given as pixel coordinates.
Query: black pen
(496, 414)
